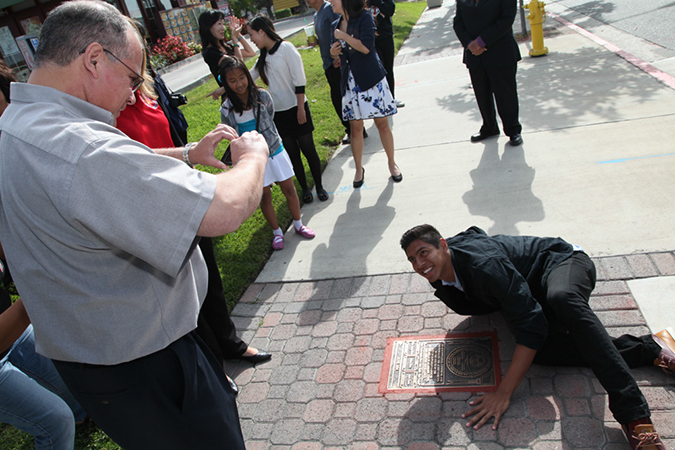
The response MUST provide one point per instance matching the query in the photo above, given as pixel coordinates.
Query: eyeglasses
(139, 79)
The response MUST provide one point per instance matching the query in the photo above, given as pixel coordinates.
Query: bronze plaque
(453, 362)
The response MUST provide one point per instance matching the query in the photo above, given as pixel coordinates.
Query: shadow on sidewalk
(347, 228)
(502, 189)
(567, 89)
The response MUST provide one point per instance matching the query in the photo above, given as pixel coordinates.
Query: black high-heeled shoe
(358, 184)
(397, 178)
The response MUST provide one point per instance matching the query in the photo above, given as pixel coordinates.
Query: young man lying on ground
(542, 286)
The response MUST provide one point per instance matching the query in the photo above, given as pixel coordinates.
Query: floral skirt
(375, 102)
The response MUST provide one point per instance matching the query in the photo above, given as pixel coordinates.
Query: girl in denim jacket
(249, 108)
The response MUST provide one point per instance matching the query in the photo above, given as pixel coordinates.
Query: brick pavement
(328, 338)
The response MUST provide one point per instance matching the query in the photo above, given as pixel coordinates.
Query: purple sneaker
(278, 243)
(305, 232)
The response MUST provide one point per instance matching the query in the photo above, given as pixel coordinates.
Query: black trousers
(333, 76)
(214, 324)
(497, 85)
(386, 51)
(578, 338)
(176, 398)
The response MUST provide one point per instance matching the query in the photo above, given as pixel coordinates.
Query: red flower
(172, 48)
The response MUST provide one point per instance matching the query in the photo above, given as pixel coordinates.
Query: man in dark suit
(542, 287)
(382, 11)
(484, 27)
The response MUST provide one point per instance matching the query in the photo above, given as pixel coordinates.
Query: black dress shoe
(516, 140)
(358, 184)
(365, 133)
(322, 194)
(307, 196)
(346, 140)
(483, 135)
(257, 358)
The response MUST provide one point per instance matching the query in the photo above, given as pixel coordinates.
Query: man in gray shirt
(100, 233)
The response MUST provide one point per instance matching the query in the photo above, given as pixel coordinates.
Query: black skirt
(287, 122)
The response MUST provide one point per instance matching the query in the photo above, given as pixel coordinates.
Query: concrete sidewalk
(596, 168)
(594, 127)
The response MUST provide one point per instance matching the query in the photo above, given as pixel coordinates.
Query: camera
(177, 100)
(227, 156)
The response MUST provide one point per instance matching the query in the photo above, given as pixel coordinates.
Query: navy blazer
(492, 20)
(366, 68)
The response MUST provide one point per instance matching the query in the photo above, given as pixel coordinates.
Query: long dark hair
(353, 8)
(228, 64)
(265, 24)
(206, 20)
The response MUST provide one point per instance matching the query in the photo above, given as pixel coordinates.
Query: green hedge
(283, 13)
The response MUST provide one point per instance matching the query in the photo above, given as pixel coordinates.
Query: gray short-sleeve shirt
(99, 231)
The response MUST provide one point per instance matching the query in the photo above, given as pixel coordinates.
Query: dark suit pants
(386, 51)
(497, 85)
(333, 76)
(214, 324)
(176, 398)
(578, 338)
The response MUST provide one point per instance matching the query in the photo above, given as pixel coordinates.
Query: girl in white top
(281, 69)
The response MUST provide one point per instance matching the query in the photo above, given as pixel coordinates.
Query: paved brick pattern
(320, 391)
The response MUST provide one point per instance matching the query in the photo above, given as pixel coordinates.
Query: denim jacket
(266, 126)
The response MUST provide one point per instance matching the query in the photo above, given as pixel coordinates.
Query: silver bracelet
(240, 38)
(186, 153)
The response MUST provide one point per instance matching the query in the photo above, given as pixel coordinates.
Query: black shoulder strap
(257, 117)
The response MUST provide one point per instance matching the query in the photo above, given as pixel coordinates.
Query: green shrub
(158, 61)
(283, 13)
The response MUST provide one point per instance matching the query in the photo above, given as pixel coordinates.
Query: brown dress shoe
(666, 358)
(642, 436)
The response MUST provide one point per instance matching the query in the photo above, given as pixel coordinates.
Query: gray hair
(73, 26)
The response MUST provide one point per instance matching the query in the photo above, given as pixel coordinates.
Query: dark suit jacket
(382, 11)
(492, 20)
(504, 273)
